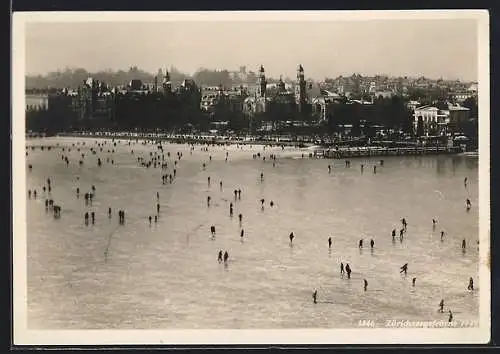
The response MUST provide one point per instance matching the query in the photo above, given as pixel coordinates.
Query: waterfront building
(458, 117)
(281, 102)
(433, 121)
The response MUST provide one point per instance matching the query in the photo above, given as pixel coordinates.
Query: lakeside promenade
(369, 151)
(315, 149)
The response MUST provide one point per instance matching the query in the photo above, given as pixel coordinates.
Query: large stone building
(435, 121)
(281, 101)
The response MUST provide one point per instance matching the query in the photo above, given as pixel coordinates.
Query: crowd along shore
(315, 148)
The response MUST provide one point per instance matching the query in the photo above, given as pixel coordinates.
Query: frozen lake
(166, 275)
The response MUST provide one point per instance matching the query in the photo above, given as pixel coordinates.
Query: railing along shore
(342, 153)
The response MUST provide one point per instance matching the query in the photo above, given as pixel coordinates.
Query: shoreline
(182, 139)
(317, 151)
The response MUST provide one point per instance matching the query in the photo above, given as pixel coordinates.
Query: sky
(438, 48)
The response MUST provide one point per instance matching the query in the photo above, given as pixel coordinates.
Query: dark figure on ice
(375, 169)
(212, 230)
(403, 221)
(157, 208)
(239, 193)
(261, 176)
(121, 216)
(219, 258)
(413, 282)
(150, 218)
(362, 167)
(29, 194)
(315, 295)
(92, 215)
(348, 271)
(329, 242)
(226, 256)
(109, 212)
(360, 245)
(220, 184)
(450, 316)
(342, 268)
(465, 181)
(78, 192)
(86, 218)
(235, 194)
(291, 237)
(57, 211)
(404, 268)
(372, 243)
(365, 283)
(242, 233)
(208, 180)
(271, 203)
(393, 233)
(441, 306)
(434, 224)
(208, 200)
(240, 217)
(381, 162)
(442, 235)
(468, 204)
(463, 244)
(471, 284)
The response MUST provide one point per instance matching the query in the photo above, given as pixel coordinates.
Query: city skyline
(434, 48)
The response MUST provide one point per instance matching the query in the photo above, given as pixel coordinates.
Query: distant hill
(72, 78)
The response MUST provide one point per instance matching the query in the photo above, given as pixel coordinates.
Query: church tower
(300, 89)
(261, 81)
(166, 84)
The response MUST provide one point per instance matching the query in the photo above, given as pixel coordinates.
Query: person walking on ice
(404, 268)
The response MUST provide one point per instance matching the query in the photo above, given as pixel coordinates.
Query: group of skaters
(403, 269)
(223, 258)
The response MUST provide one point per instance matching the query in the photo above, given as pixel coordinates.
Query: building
(433, 120)
(281, 101)
(412, 105)
(461, 96)
(36, 101)
(218, 102)
(458, 116)
(322, 104)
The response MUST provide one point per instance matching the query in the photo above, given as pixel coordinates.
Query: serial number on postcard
(418, 324)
